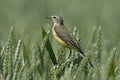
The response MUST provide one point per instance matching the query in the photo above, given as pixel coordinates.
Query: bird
(64, 37)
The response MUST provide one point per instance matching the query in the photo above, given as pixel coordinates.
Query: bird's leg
(70, 53)
(64, 50)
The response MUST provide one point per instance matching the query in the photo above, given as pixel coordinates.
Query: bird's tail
(90, 63)
(83, 56)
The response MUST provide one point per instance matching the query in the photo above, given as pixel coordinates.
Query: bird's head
(56, 19)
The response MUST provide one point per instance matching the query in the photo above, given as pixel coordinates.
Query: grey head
(56, 19)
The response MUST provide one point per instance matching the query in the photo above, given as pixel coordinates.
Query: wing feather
(67, 37)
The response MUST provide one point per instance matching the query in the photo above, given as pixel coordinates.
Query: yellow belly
(61, 42)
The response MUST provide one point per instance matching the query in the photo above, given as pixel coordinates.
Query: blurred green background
(28, 16)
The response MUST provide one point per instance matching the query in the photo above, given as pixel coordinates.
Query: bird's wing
(67, 37)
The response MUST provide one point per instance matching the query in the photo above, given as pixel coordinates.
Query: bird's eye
(54, 17)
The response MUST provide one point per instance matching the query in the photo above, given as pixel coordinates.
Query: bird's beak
(49, 17)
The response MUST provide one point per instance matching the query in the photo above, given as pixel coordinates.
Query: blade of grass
(49, 47)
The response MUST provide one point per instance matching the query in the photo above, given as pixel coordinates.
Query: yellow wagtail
(64, 37)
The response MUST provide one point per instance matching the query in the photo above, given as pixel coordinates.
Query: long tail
(83, 56)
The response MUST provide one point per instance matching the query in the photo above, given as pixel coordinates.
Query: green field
(29, 52)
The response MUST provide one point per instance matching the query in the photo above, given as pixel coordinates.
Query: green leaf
(49, 47)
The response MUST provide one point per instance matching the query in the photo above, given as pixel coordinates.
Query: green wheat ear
(90, 49)
(9, 51)
(17, 59)
(112, 66)
(98, 46)
(92, 40)
(2, 55)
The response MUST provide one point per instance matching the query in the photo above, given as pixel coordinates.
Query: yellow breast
(61, 42)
